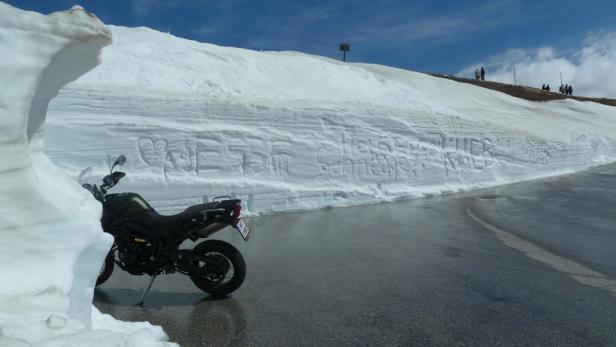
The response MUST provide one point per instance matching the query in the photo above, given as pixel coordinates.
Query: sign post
(344, 47)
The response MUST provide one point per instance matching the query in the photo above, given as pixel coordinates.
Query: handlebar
(96, 191)
(108, 182)
(112, 180)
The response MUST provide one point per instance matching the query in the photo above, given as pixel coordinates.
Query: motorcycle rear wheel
(106, 269)
(213, 283)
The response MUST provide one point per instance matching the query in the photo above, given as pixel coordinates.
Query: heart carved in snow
(152, 152)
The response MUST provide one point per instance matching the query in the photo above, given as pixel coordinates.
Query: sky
(538, 37)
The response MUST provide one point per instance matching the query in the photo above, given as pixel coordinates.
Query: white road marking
(574, 270)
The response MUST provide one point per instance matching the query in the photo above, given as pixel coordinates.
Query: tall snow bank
(287, 131)
(51, 242)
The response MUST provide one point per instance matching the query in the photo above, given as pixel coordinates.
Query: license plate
(242, 228)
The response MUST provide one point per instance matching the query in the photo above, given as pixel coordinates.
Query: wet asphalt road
(419, 272)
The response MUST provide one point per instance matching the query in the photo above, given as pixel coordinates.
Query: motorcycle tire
(106, 270)
(232, 256)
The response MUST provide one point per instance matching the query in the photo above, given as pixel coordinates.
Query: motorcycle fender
(211, 229)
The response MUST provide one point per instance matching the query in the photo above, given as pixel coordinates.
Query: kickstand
(145, 292)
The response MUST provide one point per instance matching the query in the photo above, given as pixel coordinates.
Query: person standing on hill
(547, 87)
(543, 87)
(477, 74)
(483, 74)
(570, 90)
(561, 89)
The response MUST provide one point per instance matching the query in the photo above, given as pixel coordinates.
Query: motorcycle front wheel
(106, 269)
(223, 267)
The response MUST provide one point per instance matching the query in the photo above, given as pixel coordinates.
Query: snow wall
(288, 131)
(51, 242)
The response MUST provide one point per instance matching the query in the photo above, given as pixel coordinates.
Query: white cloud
(142, 6)
(414, 31)
(591, 69)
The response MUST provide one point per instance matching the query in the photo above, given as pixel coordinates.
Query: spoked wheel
(222, 267)
(106, 269)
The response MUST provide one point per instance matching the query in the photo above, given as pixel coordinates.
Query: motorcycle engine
(137, 253)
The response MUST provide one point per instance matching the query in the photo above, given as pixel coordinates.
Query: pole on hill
(344, 47)
(515, 81)
(561, 78)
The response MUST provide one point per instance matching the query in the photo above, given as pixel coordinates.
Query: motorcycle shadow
(190, 319)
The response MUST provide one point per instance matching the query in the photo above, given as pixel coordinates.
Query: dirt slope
(528, 93)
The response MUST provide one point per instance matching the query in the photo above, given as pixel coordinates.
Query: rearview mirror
(120, 161)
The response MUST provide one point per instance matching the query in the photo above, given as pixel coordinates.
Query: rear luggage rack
(222, 197)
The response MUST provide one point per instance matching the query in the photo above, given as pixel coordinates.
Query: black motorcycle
(147, 243)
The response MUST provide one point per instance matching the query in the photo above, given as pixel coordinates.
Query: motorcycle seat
(192, 212)
(197, 211)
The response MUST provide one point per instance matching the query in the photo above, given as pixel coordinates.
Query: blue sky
(441, 36)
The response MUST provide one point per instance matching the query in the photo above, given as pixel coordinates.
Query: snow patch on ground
(51, 242)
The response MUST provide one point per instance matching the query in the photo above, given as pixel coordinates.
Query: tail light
(237, 210)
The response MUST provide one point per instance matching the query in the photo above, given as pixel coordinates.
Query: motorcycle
(147, 243)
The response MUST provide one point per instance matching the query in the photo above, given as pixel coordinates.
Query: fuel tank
(124, 204)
